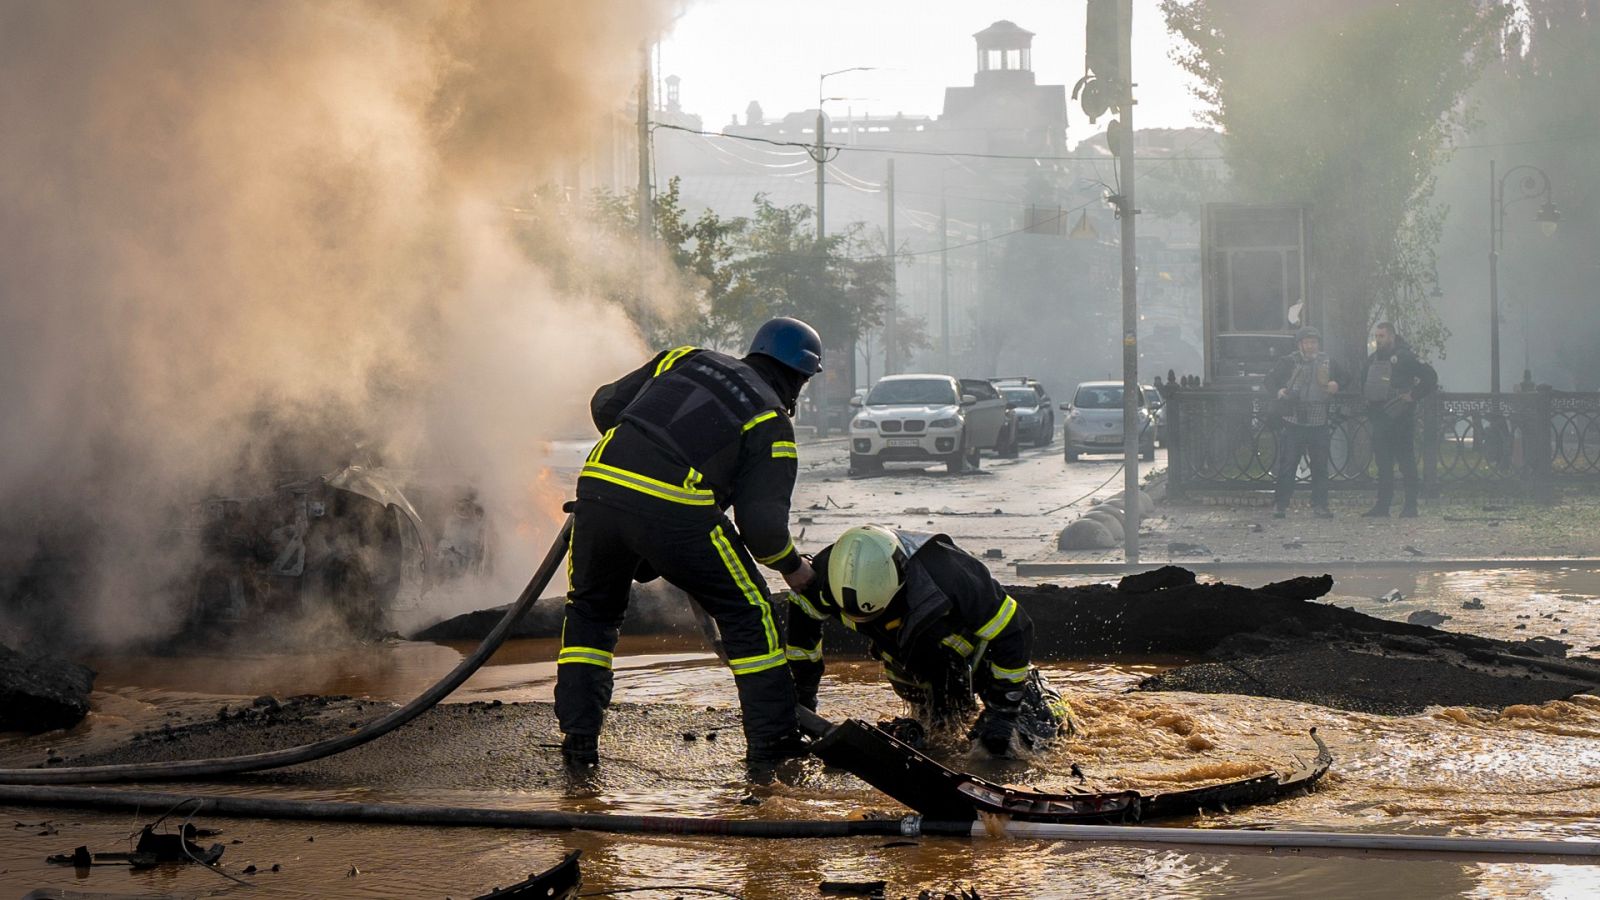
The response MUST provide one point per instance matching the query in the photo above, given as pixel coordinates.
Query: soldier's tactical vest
(699, 408)
(1380, 378)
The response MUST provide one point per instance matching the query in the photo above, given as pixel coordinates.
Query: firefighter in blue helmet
(685, 437)
(944, 629)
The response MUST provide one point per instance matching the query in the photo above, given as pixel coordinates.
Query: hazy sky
(729, 52)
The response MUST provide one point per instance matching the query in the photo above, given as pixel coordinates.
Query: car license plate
(904, 442)
(1108, 438)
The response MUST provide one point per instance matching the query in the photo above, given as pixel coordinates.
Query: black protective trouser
(699, 551)
(1394, 442)
(1293, 442)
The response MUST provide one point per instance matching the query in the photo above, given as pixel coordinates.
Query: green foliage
(711, 281)
(1349, 107)
(838, 284)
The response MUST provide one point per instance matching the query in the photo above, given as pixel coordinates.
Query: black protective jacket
(951, 613)
(1390, 373)
(696, 430)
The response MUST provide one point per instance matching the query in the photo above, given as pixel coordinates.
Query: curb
(1027, 569)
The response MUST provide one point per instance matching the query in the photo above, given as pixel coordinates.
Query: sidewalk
(1493, 531)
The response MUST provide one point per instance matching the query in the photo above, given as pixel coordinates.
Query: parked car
(920, 418)
(1036, 417)
(1094, 421)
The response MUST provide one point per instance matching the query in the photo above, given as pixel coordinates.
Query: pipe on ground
(292, 756)
(909, 826)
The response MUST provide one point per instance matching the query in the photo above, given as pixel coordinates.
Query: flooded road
(1524, 771)
(673, 745)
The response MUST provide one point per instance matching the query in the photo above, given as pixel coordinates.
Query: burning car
(352, 544)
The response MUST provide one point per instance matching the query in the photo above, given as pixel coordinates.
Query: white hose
(1331, 840)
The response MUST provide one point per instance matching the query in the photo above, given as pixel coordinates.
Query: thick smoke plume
(222, 221)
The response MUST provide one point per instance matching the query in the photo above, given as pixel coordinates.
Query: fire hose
(292, 756)
(907, 826)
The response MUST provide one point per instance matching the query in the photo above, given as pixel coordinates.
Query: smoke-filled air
(237, 237)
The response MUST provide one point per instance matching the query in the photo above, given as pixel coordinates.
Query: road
(1015, 506)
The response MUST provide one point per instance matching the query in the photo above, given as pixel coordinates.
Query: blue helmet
(791, 342)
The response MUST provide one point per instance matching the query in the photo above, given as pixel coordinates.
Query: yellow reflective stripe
(769, 560)
(1008, 674)
(644, 484)
(806, 606)
(959, 644)
(760, 417)
(1001, 619)
(802, 654)
(691, 481)
(785, 450)
(749, 665)
(599, 448)
(672, 357)
(587, 655)
(757, 598)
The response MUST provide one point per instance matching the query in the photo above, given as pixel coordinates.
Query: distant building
(993, 176)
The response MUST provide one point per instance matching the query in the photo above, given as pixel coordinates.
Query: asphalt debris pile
(1279, 641)
(42, 693)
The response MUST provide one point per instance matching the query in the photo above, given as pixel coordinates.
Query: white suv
(936, 418)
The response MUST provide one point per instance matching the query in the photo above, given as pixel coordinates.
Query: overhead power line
(905, 151)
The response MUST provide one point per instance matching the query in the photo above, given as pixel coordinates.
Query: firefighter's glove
(993, 730)
(952, 682)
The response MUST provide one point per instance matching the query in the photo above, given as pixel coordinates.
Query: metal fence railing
(1228, 438)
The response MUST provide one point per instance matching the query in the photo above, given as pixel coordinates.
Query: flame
(540, 514)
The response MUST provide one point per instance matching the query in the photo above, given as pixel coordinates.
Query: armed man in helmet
(942, 626)
(684, 437)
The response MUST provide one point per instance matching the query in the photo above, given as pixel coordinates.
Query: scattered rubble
(41, 693)
(1427, 617)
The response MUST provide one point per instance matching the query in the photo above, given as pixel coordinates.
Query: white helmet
(865, 570)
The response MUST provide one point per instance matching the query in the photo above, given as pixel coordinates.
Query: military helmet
(865, 570)
(791, 342)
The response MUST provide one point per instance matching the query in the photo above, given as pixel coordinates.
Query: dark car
(1036, 418)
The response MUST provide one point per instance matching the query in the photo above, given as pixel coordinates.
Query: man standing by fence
(1302, 384)
(1392, 383)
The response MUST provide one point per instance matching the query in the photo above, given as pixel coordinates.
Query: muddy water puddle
(1528, 771)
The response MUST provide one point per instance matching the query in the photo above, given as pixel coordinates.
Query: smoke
(220, 217)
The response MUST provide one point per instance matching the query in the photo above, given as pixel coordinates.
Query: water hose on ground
(909, 826)
(459, 816)
(291, 756)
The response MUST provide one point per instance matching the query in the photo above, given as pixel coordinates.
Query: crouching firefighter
(943, 628)
(684, 437)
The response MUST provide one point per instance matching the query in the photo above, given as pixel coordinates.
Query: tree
(1349, 107)
(840, 284)
(700, 252)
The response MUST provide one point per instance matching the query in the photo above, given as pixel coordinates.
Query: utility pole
(1130, 288)
(894, 290)
(646, 210)
(822, 197)
(944, 282)
(1495, 211)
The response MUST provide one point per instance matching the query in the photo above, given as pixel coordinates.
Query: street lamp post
(1534, 185)
(819, 155)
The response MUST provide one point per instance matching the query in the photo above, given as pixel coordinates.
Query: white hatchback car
(929, 418)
